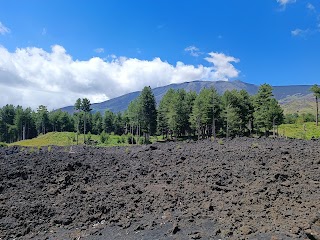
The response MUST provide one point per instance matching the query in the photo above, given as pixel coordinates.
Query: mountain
(286, 94)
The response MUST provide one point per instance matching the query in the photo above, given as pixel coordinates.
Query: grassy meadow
(69, 138)
(300, 130)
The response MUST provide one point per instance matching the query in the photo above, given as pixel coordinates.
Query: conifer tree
(148, 112)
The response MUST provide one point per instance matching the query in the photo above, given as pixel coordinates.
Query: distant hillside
(120, 104)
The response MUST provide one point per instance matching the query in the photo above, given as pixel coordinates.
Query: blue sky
(53, 52)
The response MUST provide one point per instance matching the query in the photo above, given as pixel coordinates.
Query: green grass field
(300, 130)
(67, 139)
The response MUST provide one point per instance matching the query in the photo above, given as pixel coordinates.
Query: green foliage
(179, 114)
(238, 113)
(148, 111)
(174, 111)
(131, 139)
(206, 111)
(89, 136)
(142, 141)
(16, 123)
(108, 121)
(60, 121)
(305, 130)
(316, 92)
(52, 138)
(104, 137)
(97, 123)
(84, 106)
(268, 112)
(2, 144)
(42, 119)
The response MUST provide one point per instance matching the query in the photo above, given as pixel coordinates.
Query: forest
(179, 114)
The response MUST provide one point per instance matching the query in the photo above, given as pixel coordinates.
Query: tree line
(207, 114)
(179, 113)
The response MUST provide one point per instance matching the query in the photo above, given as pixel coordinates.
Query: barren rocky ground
(232, 189)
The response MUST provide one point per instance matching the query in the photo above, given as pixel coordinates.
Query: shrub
(104, 137)
(142, 141)
(131, 139)
(89, 136)
(2, 144)
(123, 138)
(73, 137)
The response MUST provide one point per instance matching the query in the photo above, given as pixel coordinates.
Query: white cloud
(193, 51)
(311, 7)
(285, 2)
(3, 29)
(99, 50)
(222, 66)
(32, 76)
(300, 32)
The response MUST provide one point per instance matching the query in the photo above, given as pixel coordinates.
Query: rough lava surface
(231, 189)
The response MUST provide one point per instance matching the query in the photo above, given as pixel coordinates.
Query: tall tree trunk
(213, 120)
(227, 128)
(317, 115)
(84, 127)
(137, 134)
(78, 123)
(274, 127)
(24, 133)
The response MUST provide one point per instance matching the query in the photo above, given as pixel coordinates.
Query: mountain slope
(120, 104)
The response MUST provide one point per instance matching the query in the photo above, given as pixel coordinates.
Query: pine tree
(165, 110)
(42, 119)
(206, 105)
(97, 123)
(82, 106)
(316, 92)
(133, 113)
(85, 107)
(148, 112)
(77, 107)
(266, 109)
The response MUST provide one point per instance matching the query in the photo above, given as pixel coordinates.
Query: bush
(104, 137)
(121, 139)
(2, 144)
(131, 139)
(89, 136)
(142, 141)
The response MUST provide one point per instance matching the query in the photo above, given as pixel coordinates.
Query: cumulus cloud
(3, 29)
(193, 51)
(32, 76)
(222, 66)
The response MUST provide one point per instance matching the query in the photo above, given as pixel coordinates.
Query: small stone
(175, 228)
(312, 234)
(245, 230)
